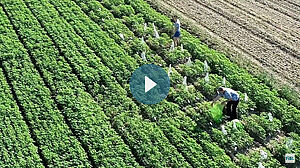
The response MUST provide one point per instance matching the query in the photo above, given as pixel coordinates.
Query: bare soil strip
(280, 9)
(258, 25)
(282, 40)
(264, 19)
(288, 5)
(270, 15)
(295, 3)
(270, 57)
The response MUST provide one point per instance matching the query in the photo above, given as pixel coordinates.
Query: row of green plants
(85, 116)
(139, 134)
(261, 127)
(53, 136)
(267, 100)
(95, 14)
(17, 145)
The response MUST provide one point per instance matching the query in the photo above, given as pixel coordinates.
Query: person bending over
(233, 100)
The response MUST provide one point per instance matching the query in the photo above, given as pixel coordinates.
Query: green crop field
(65, 99)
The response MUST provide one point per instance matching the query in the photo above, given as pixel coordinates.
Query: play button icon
(149, 84)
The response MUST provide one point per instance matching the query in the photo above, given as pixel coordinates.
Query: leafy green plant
(185, 95)
(122, 10)
(192, 71)
(289, 144)
(177, 56)
(254, 129)
(253, 158)
(53, 136)
(235, 138)
(209, 88)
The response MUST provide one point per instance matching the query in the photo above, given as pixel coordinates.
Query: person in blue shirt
(176, 36)
(233, 100)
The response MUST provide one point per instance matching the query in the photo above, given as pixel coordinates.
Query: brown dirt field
(265, 33)
(289, 5)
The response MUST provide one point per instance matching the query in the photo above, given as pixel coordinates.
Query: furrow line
(262, 27)
(253, 45)
(288, 6)
(259, 33)
(294, 3)
(96, 93)
(279, 9)
(85, 147)
(86, 90)
(280, 28)
(31, 132)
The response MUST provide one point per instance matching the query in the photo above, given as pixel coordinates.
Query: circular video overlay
(149, 84)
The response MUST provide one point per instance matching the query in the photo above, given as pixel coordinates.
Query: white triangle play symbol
(149, 84)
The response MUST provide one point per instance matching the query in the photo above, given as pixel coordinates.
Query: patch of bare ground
(293, 7)
(280, 8)
(269, 15)
(257, 26)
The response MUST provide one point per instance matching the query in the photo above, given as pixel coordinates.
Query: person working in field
(176, 36)
(233, 100)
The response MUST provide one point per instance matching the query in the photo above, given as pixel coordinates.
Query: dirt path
(268, 38)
